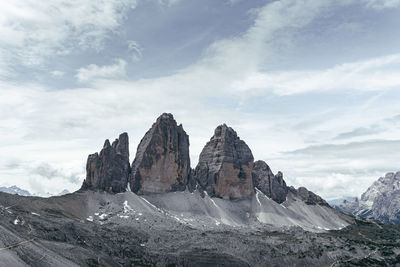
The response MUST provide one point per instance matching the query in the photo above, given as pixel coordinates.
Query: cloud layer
(327, 128)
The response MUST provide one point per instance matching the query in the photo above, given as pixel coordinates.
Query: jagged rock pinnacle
(109, 170)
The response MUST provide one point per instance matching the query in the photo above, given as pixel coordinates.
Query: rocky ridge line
(226, 167)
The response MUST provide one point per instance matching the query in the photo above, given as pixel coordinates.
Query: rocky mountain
(225, 166)
(273, 186)
(225, 171)
(109, 171)
(15, 190)
(157, 211)
(338, 201)
(381, 201)
(162, 162)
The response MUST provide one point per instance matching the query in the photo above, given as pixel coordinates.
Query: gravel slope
(183, 229)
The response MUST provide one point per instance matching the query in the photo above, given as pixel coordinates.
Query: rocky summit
(109, 170)
(271, 185)
(162, 162)
(381, 201)
(308, 197)
(225, 166)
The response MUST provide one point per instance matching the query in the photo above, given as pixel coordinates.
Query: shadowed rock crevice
(109, 170)
(162, 162)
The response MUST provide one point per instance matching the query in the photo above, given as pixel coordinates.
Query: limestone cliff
(109, 170)
(225, 166)
(271, 185)
(162, 162)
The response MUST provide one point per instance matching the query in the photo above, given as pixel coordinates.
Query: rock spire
(162, 162)
(109, 170)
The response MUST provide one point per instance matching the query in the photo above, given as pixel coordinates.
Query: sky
(313, 87)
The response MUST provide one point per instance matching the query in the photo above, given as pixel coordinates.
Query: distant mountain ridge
(381, 201)
(15, 190)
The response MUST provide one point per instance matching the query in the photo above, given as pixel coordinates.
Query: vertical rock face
(109, 170)
(225, 166)
(271, 185)
(162, 162)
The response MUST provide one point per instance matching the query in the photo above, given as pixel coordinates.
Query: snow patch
(34, 213)
(127, 208)
(258, 200)
(103, 216)
(145, 200)
(212, 200)
(90, 219)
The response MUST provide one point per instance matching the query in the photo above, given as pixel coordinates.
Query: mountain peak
(109, 170)
(162, 162)
(224, 131)
(381, 201)
(225, 166)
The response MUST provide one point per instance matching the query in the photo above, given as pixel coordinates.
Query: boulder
(162, 162)
(225, 166)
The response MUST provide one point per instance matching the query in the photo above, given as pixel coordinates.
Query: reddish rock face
(225, 166)
(162, 162)
(109, 170)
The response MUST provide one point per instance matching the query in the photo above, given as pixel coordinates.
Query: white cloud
(338, 170)
(382, 4)
(91, 72)
(364, 76)
(57, 73)
(136, 50)
(169, 2)
(34, 31)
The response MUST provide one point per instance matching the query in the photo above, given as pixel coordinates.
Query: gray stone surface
(182, 229)
(162, 162)
(271, 185)
(381, 201)
(109, 170)
(225, 166)
(308, 197)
